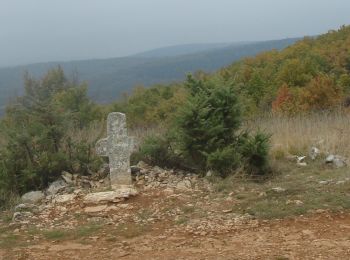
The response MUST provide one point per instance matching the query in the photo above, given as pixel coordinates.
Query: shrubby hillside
(108, 79)
(312, 74)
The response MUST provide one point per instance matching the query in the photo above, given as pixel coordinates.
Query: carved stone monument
(117, 147)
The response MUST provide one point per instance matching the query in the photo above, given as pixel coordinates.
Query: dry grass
(140, 133)
(306, 189)
(90, 134)
(8, 200)
(98, 130)
(296, 135)
(292, 135)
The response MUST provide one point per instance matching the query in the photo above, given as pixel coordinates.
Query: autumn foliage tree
(321, 93)
(284, 101)
(310, 74)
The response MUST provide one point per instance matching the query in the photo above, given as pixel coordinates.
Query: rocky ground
(172, 216)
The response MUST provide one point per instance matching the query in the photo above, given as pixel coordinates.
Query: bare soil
(185, 225)
(314, 237)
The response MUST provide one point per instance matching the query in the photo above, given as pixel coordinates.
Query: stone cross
(117, 147)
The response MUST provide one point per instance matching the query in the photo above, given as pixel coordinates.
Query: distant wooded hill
(109, 78)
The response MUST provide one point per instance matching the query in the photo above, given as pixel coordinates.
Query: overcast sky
(51, 30)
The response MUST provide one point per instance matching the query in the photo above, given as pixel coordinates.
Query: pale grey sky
(51, 30)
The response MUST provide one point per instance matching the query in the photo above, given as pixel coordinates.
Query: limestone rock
(149, 177)
(296, 202)
(278, 189)
(33, 197)
(21, 216)
(109, 196)
(337, 160)
(64, 198)
(25, 207)
(301, 158)
(95, 209)
(330, 158)
(184, 185)
(142, 165)
(314, 153)
(302, 164)
(56, 187)
(67, 177)
(209, 173)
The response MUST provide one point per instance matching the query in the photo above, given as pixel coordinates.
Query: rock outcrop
(33, 197)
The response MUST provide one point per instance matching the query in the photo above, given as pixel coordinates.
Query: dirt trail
(320, 236)
(189, 220)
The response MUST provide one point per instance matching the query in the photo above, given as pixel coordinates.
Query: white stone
(300, 159)
(95, 209)
(314, 153)
(302, 164)
(24, 206)
(209, 173)
(33, 197)
(337, 160)
(64, 198)
(184, 185)
(142, 165)
(21, 216)
(330, 158)
(278, 189)
(67, 177)
(56, 187)
(109, 196)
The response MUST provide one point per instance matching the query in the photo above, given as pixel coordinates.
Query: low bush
(255, 151)
(157, 150)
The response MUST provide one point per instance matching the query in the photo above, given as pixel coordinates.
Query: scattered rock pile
(337, 161)
(218, 224)
(92, 195)
(148, 177)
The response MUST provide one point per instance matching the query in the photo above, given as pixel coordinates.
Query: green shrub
(224, 160)
(7, 197)
(255, 151)
(156, 150)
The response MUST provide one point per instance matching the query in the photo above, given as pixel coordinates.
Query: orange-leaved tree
(285, 100)
(321, 93)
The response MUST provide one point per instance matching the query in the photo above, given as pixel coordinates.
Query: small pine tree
(207, 130)
(208, 122)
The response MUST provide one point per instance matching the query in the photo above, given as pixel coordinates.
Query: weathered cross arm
(102, 148)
